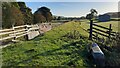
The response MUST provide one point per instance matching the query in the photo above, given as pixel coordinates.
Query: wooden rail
(101, 26)
(101, 30)
(18, 31)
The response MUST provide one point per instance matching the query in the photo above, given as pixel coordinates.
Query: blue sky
(69, 0)
(74, 9)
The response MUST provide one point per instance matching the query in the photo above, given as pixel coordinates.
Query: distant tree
(82, 17)
(54, 18)
(21, 4)
(15, 4)
(17, 16)
(11, 15)
(59, 18)
(48, 16)
(6, 15)
(46, 13)
(15, 13)
(92, 14)
(26, 11)
(39, 18)
(43, 12)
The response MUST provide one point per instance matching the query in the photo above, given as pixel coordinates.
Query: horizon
(74, 9)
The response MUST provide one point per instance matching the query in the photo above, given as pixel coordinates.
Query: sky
(74, 9)
(68, 0)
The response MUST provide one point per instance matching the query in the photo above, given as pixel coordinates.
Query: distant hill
(114, 14)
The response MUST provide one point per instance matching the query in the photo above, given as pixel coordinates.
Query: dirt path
(45, 27)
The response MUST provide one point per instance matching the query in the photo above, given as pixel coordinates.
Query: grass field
(52, 49)
(55, 48)
(85, 24)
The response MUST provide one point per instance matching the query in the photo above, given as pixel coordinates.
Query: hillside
(64, 45)
(113, 14)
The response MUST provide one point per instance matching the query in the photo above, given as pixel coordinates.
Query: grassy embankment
(58, 47)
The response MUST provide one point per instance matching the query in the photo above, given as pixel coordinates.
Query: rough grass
(85, 24)
(52, 49)
(106, 24)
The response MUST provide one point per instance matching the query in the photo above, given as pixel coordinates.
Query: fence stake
(91, 24)
(110, 29)
(26, 36)
(14, 32)
(96, 36)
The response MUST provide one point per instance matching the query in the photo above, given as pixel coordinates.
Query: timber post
(91, 24)
(14, 32)
(27, 29)
(110, 29)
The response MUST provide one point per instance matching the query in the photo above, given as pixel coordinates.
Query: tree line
(17, 13)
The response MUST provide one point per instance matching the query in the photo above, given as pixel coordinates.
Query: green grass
(52, 49)
(85, 24)
(55, 48)
(106, 24)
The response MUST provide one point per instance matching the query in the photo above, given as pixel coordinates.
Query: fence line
(107, 32)
(18, 31)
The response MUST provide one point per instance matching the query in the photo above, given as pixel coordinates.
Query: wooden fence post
(110, 30)
(91, 25)
(14, 32)
(96, 36)
(38, 27)
(26, 36)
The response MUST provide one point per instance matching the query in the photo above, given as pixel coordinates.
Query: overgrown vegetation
(111, 51)
(109, 47)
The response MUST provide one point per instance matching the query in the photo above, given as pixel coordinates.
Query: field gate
(101, 30)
